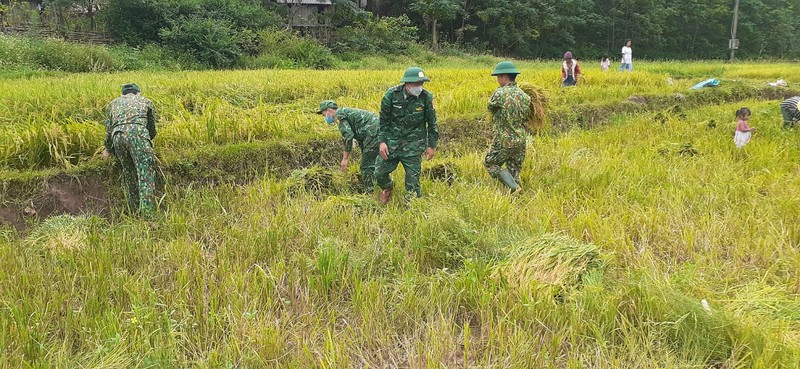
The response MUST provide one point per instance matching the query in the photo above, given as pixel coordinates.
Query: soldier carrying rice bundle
(515, 113)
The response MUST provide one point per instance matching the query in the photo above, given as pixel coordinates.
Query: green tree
(509, 26)
(136, 22)
(211, 41)
(760, 21)
(87, 7)
(434, 11)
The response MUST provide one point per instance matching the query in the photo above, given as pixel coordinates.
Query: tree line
(677, 29)
(220, 32)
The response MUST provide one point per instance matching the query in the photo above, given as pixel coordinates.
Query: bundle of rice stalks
(60, 233)
(318, 181)
(314, 180)
(444, 172)
(538, 116)
(548, 260)
(687, 149)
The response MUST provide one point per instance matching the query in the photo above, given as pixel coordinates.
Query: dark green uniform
(510, 107)
(408, 127)
(130, 128)
(361, 126)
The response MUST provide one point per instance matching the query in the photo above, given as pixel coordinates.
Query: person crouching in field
(407, 131)
(790, 109)
(361, 126)
(570, 71)
(130, 130)
(605, 63)
(743, 130)
(510, 108)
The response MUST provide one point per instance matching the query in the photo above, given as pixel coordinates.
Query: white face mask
(416, 91)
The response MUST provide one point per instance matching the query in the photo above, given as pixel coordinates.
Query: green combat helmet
(131, 87)
(505, 67)
(414, 74)
(327, 104)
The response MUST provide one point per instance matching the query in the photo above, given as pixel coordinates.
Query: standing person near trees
(361, 126)
(627, 57)
(130, 128)
(510, 108)
(407, 131)
(570, 70)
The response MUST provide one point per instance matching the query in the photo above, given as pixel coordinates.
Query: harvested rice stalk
(538, 116)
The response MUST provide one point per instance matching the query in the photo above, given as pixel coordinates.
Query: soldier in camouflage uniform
(407, 130)
(510, 108)
(130, 128)
(361, 126)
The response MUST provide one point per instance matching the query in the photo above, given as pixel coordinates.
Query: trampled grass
(602, 262)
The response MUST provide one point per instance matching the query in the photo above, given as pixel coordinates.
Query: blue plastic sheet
(711, 82)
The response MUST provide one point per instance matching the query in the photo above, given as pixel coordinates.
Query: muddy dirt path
(62, 194)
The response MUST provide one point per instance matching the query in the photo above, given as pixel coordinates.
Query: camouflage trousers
(369, 156)
(136, 156)
(412, 164)
(511, 156)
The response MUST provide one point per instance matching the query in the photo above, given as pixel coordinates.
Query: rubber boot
(509, 181)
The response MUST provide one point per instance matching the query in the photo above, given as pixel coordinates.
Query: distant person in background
(790, 109)
(627, 57)
(130, 128)
(570, 71)
(40, 8)
(743, 130)
(355, 125)
(605, 63)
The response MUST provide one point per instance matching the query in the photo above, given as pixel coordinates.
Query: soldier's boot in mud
(508, 179)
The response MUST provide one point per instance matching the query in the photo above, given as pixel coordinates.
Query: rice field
(637, 208)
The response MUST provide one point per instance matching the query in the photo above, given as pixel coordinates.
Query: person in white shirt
(627, 57)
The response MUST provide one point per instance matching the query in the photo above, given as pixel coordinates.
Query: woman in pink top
(743, 130)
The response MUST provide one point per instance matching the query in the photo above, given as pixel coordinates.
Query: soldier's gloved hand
(384, 151)
(345, 164)
(106, 154)
(429, 153)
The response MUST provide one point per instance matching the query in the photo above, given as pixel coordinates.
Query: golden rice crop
(603, 261)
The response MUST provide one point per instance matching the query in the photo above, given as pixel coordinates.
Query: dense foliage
(695, 29)
(228, 33)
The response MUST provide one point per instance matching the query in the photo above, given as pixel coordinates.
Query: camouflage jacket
(131, 113)
(408, 123)
(356, 124)
(510, 107)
